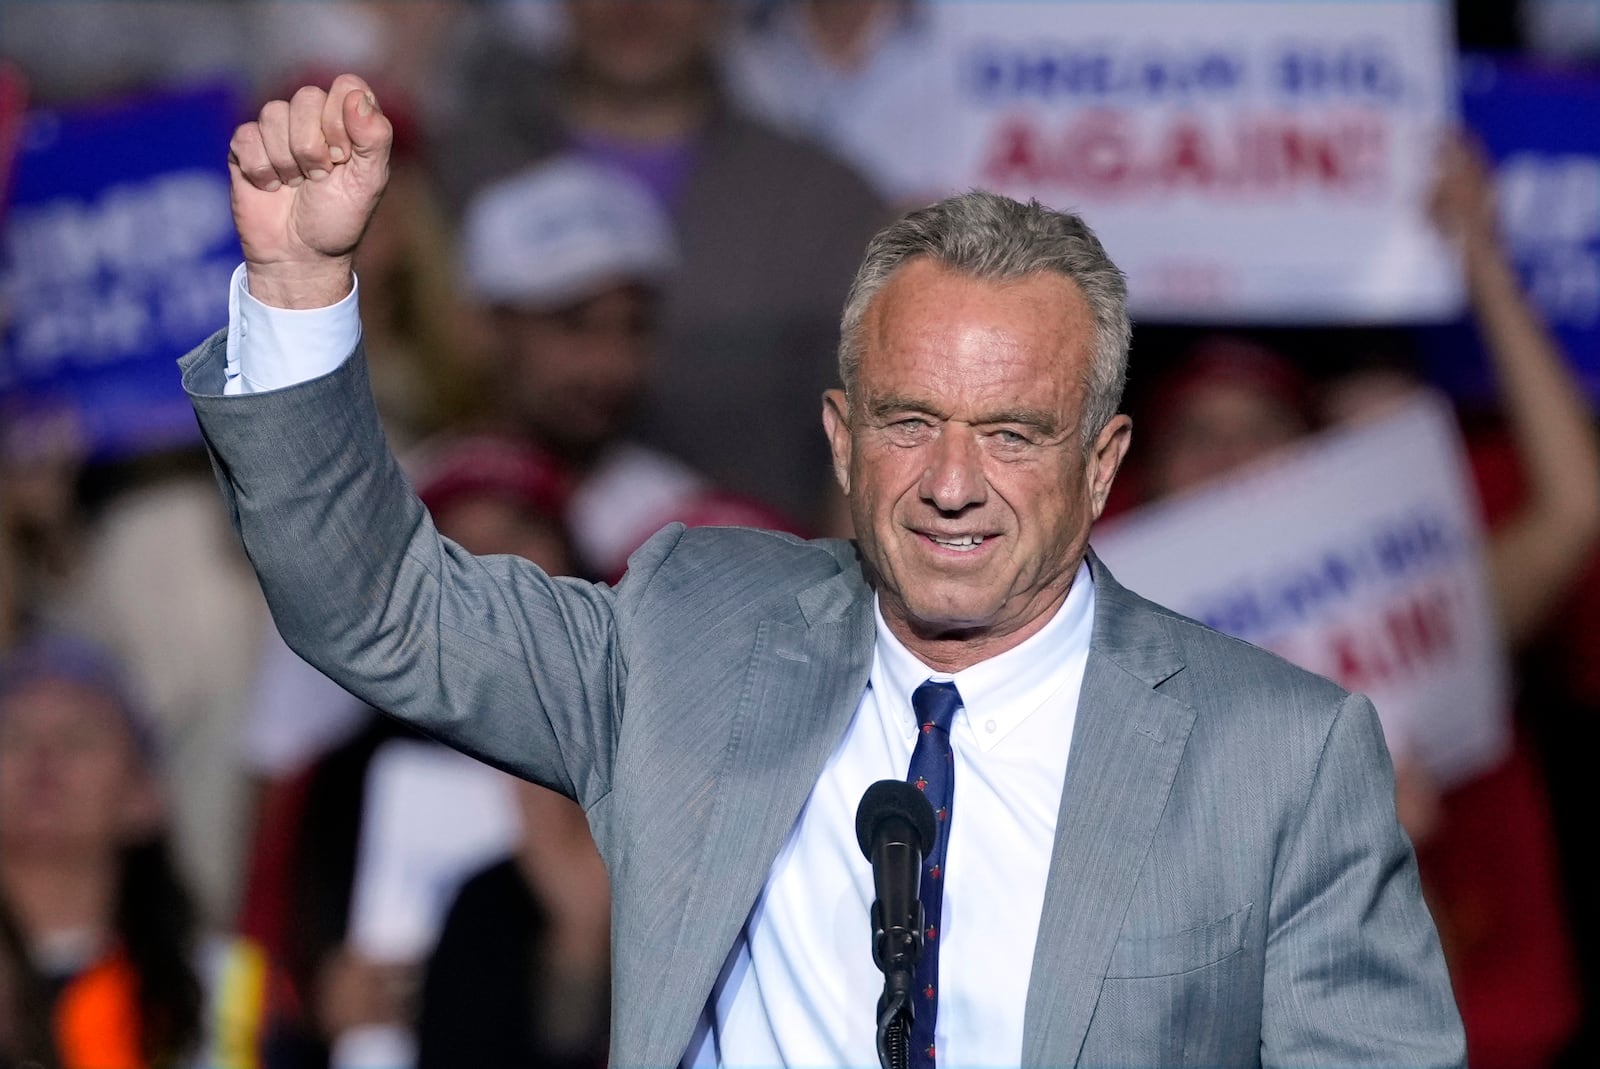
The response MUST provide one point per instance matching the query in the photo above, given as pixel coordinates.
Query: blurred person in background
(769, 228)
(92, 545)
(567, 263)
(160, 582)
(1538, 550)
(1227, 403)
(853, 75)
(104, 534)
(1487, 856)
(521, 976)
(103, 964)
(1231, 402)
(1489, 860)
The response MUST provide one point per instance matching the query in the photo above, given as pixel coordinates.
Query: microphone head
(890, 798)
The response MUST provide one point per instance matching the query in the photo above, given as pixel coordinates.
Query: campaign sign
(118, 248)
(1541, 125)
(1242, 161)
(1360, 556)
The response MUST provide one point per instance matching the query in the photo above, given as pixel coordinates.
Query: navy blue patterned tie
(933, 772)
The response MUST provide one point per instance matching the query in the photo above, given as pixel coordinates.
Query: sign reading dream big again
(1379, 583)
(1241, 161)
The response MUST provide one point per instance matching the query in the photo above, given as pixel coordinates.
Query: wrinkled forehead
(938, 325)
(926, 292)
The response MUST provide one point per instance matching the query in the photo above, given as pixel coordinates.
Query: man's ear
(836, 421)
(1105, 458)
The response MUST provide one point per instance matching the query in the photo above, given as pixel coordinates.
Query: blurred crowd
(601, 295)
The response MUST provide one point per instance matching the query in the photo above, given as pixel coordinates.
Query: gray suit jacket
(1229, 886)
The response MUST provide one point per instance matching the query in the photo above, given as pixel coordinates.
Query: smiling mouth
(959, 543)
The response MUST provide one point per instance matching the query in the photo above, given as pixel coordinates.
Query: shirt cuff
(270, 348)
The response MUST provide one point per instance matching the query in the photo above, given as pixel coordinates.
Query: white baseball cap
(561, 231)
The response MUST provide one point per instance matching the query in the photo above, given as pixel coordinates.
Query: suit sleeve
(1354, 972)
(488, 654)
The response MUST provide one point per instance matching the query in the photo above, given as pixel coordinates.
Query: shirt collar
(1003, 690)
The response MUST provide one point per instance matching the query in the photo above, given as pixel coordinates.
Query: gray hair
(994, 238)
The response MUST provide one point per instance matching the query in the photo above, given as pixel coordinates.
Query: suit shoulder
(1271, 669)
(1219, 667)
(1252, 708)
(734, 562)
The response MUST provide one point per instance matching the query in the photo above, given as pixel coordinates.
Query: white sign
(1241, 160)
(1359, 557)
(431, 818)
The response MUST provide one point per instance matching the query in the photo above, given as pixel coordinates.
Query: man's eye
(1005, 437)
(909, 424)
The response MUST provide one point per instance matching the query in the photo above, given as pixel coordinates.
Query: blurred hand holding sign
(1359, 556)
(1250, 161)
(118, 247)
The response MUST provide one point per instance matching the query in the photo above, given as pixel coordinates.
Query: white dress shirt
(270, 348)
(799, 988)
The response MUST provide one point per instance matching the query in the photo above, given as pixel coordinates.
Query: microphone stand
(896, 949)
(894, 1028)
(894, 824)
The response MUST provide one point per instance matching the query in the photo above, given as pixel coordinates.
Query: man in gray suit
(1165, 848)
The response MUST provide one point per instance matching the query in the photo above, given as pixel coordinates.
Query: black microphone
(896, 829)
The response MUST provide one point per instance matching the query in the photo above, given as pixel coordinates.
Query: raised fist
(307, 176)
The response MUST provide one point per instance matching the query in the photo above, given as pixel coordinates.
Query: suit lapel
(1126, 745)
(804, 683)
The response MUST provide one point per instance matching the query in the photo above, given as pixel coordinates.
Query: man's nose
(955, 478)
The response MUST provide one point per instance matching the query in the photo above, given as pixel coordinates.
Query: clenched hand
(307, 176)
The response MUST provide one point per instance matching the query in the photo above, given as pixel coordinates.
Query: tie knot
(936, 704)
